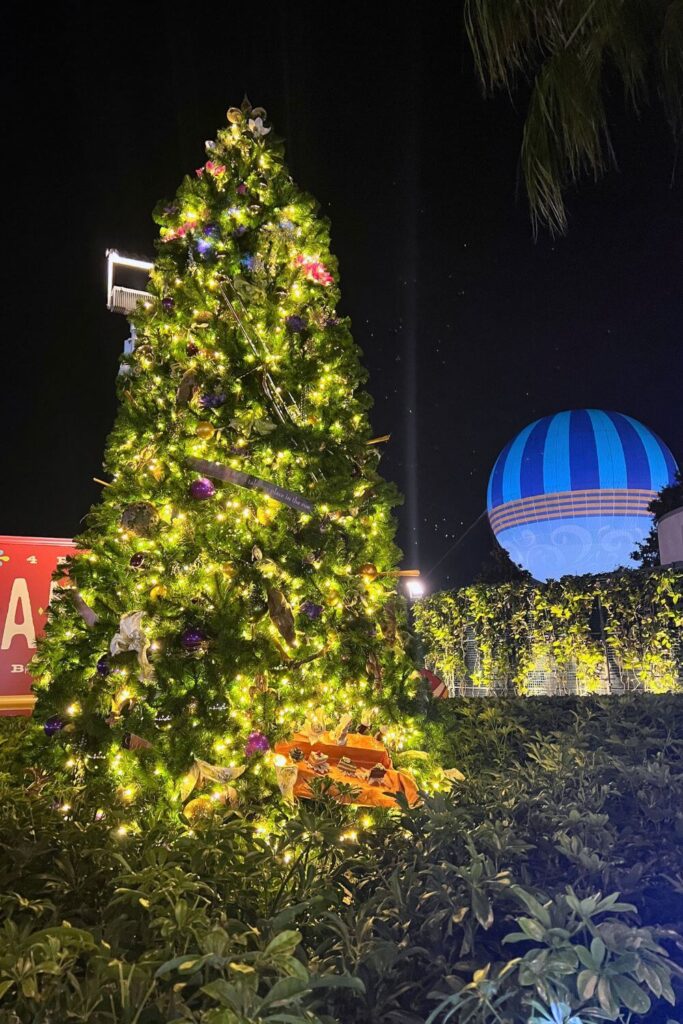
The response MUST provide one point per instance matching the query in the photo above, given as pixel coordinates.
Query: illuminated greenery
(241, 360)
(521, 624)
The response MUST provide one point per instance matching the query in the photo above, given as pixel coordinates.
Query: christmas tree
(237, 581)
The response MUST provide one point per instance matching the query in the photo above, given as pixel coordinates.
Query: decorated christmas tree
(237, 585)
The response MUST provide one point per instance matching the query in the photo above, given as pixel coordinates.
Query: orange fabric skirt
(364, 752)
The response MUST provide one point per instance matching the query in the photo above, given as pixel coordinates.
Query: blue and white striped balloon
(569, 494)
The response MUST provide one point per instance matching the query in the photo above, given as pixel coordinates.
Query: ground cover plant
(545, 886)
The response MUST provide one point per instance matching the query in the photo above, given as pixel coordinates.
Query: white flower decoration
(257, 126)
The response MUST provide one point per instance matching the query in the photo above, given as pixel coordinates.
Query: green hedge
(546, 886)
(522, 624)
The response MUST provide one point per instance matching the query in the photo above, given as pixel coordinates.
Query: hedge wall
(625, 627)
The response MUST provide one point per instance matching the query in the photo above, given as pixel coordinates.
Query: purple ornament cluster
(257, 743)
(53, 725)
(212, 401)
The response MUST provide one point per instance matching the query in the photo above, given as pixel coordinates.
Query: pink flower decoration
(314, 270)
(216, 169)
(179, 232)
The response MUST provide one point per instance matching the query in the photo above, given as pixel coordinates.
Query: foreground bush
(546, 887)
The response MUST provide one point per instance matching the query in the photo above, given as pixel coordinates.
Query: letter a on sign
(19, 617)
(26, 567)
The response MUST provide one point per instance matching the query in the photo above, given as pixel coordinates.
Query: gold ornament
(234, 115)
(201, 807)
(158, 592)
(205, 430)
(140, 518)
(369, 571)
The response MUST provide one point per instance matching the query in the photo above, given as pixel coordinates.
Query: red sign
(26, 567)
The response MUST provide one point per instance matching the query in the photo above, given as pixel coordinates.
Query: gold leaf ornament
(202, 771)
(340, 733)
(286, 776)
(314, 726)
(130, 637)
(281, 614)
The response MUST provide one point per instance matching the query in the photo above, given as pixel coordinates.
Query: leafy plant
(565, 626)
(485, 905)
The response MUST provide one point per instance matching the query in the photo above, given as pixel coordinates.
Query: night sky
(470, 329)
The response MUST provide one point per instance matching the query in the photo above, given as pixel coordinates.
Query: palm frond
(569, 51)
(671, 65)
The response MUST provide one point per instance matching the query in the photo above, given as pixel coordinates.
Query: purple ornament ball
(168, 303)
(296, 324)
(103, 666)
(137, 560)
(257, 743)
(312, 610)
(53, 725)
(192, 638)
(202, 489)
(212, 401)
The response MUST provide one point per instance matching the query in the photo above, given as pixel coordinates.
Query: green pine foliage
(254, 609)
